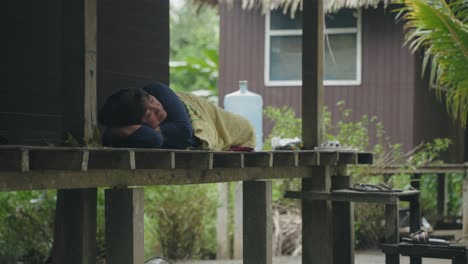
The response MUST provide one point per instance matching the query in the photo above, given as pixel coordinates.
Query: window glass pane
(278, 20)
(285, 58)
(342, 19)
(343, 49)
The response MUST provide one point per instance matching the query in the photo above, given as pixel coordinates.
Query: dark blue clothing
(176, 130)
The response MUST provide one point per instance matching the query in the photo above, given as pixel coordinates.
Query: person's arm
(177, 128)
(133, 136)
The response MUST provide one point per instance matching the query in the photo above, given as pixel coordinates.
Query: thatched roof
(294, 5)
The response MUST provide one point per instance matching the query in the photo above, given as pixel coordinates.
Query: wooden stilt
(75, 227)
(392, 232)
(343, 227)
(124, 226)
(317, 236)
(257, 222)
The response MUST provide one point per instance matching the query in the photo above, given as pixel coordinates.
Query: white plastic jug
(248, 105)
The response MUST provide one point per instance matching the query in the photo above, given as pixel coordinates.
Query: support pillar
(257, 222)
(124, 226)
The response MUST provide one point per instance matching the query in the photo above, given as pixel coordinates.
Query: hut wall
(133, 44)
(388, 70)
(133, 49)
(30, 105)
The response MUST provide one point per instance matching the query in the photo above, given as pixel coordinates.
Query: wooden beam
(317, 220)
(79, 49)
(124, 226)
(392, 235)
(343, 222)
(57, 179)
(75, 227)
(312, 73)
(257, 239)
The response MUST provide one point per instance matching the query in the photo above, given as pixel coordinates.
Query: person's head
(131, 107)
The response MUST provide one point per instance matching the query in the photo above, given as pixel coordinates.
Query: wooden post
(124, 226)
(316, 215)
(238, 225)
(312, 72)
(79, 119)
(75, 227)
(343, 221)
(465, 201)
(441, 197)
(222, 219)
(415, 222)
(257, 222)
(317, 234)
(392, 235)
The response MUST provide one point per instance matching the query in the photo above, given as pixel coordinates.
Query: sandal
(421, 237)
(364, 187)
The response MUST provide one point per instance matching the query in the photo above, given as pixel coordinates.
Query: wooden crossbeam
(67, 179)
(353, 196)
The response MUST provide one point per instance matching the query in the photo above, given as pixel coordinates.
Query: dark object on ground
(158, 260)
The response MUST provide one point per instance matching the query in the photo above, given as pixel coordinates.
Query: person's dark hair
(123, 108)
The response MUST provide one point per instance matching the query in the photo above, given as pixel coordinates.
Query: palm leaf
(441, 29)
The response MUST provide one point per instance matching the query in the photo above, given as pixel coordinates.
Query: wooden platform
(28, 168)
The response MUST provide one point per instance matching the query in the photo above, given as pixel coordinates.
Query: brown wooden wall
(30, 106)
(390, 72)
(133, 44)
(133, 49)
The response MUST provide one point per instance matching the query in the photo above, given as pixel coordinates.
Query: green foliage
(356, 134)
(180, 220)
(194, 46)
(26, 232)
(197, 73)
(440, 28)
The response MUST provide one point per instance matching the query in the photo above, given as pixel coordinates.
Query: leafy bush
(368, 217)
(26, 232)
(180, 220)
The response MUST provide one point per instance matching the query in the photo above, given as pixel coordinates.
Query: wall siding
(133, 49)
(386, 91)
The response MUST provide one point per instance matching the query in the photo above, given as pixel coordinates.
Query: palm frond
(440, 28)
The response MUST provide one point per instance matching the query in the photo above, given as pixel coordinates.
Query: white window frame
(298, 32)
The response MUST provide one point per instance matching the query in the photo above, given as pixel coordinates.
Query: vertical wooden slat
(124, 226)
(391, 231)
(257, 222)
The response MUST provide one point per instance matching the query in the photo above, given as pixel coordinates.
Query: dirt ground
(361, 257)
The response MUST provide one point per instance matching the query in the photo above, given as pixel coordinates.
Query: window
(342, 48)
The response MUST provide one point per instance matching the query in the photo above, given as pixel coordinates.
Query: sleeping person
(157, 117)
